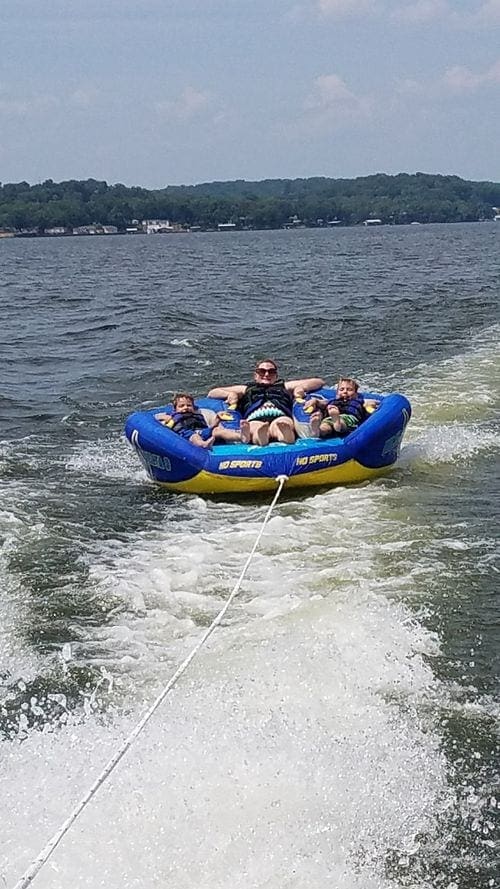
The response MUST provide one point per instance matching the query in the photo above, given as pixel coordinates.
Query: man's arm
(308, 385)
(226, 391)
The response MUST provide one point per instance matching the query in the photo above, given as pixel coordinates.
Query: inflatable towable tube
(178, 465)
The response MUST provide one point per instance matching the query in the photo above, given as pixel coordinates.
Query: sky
(170, 92)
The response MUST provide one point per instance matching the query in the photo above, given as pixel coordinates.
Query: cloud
(462, 81)
(489, 12)
(16, 106)
(422, 11)
(332, 100)
(413, 12)
(347, 8)
(330, 90)
(455, 81)
(410, 87)
(190, 103)
(85, 97)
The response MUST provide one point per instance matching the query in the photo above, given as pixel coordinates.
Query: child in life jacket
(190, 423)
(342, 414)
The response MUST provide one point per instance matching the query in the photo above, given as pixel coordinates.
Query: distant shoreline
(62, 209)
(187, 231)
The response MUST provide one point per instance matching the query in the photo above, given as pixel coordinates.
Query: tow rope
(45, 854)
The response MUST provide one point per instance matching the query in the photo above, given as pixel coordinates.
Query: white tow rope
(45, 854)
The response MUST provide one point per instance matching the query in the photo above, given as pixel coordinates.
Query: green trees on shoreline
(271, 203)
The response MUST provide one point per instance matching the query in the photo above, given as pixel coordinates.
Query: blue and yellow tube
(178, 465)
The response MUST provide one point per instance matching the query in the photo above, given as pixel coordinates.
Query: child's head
(347, 388)
(184, 403)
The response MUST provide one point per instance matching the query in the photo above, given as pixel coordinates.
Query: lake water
(340, 728)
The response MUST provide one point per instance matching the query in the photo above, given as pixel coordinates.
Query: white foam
(182, 342)
(107, 459)
(462, 388)
(280, 761)
(16, 660)
(454, 443)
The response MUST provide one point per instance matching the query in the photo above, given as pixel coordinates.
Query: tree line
(271, 203)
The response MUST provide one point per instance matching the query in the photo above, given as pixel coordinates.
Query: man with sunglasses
(266, 402)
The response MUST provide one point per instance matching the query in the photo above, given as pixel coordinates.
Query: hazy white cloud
(85, 97)
(25, 106)
(330, 90)
(413, 12)
(489, 12)
(14, 107)
(461, 80)
(331, 99)
(410, 87)
(421, 11)
(347, 8)
(296, 13)
(190, 103)
(455, 81)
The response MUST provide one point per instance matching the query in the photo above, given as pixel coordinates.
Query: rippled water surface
(340, 728)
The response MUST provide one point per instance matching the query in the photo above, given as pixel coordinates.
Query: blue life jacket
(186, 424)
(353, 406)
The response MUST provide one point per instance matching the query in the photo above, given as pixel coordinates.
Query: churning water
(340, 729)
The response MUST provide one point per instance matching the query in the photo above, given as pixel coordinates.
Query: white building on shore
(157, 226)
